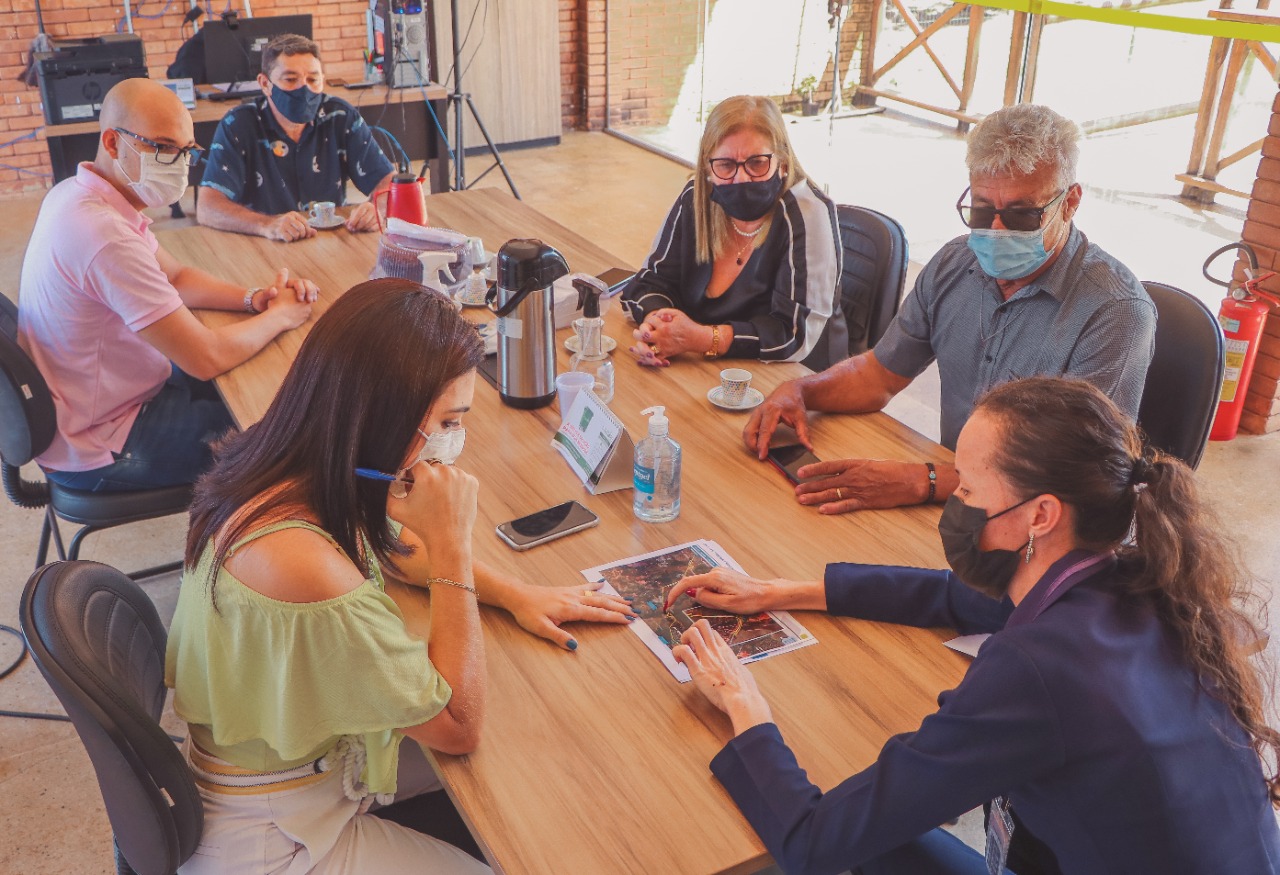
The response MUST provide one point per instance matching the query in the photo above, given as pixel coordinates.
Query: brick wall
(652, 46)
(653, 50)
(338, 26)
(1262, 232)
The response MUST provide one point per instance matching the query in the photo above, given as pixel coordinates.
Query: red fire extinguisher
(1242, 316)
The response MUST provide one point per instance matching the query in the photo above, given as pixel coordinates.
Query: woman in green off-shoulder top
(289, 662)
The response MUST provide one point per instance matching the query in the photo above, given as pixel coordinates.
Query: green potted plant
(808, 85)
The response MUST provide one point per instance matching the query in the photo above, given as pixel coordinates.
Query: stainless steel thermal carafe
(523, 302)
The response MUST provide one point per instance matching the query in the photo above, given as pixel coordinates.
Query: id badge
(999, 832)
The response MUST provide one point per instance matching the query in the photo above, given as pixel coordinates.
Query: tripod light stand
(457, 97)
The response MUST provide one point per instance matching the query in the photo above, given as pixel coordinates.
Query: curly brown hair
(1066, 438)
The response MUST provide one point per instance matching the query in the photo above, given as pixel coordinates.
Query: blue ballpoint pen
(372, 474)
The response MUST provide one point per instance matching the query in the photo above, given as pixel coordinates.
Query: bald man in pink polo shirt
(103, 310)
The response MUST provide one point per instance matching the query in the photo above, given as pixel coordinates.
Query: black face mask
(748, 201)
(299, 105)
(988, 571)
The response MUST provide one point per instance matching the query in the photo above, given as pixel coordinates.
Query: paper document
(647, 579)
(968, 644)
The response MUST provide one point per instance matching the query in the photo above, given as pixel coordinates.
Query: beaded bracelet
(469, 587)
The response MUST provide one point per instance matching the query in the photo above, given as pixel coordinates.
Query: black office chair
(1180, 397)
(875, 270)
(98, 641)
(27, 426)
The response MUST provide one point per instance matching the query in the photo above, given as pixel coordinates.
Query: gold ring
(839, 496)
(653, 347)
(587, 592)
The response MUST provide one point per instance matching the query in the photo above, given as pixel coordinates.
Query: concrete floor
(50, 808)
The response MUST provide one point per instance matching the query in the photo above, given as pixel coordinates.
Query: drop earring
(1031, 546)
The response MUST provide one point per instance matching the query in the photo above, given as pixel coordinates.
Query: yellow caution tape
(1263, 33)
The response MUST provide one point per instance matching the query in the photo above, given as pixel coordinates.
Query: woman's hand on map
(542, 609)
(738, 593)
(721, 678)
(725, 589)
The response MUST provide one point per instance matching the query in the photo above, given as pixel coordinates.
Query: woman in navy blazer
(1114, 708)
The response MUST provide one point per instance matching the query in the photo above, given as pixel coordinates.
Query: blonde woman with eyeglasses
(747, 263)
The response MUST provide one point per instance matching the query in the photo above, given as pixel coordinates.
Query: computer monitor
(233, 47)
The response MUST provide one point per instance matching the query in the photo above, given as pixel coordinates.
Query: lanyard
(1069, 577)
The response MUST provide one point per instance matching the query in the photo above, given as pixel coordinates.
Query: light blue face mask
(1008, 255)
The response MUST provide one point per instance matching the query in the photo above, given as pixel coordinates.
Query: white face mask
(159, 184)
(442, 446)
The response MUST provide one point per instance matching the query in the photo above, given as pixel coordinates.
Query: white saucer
(608, 344)
(337, 222)
(753, 398)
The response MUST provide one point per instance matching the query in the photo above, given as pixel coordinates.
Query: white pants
(317, 829)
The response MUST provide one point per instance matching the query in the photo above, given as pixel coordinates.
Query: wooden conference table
(596, 761)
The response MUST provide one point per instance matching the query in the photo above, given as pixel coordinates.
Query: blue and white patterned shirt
(1087, 316)
(254, 163)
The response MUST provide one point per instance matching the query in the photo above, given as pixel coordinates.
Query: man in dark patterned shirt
(272, 158)
(1023, 294)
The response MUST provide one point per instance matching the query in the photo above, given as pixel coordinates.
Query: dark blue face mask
(299, 105)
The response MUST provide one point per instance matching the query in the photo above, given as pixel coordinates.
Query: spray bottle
(591, 357)
(433, 263)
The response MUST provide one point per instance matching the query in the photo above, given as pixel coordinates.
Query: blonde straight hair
(712, 226)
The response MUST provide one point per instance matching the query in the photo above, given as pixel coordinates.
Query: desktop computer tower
(400, 33)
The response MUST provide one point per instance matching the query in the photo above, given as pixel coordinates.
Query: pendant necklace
(751, 239)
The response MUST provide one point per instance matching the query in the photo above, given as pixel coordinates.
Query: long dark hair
(1066, 438)
(363, 381)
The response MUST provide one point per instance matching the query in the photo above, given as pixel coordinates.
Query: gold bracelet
(714, 352)
(469, 587)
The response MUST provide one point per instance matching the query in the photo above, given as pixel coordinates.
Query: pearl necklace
(751, 238)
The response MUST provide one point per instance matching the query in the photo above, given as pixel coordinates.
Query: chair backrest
(875, 270)
(27, 418)
(1180, 397)
(98, 641)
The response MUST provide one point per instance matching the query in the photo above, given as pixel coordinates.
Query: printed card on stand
(596, 445)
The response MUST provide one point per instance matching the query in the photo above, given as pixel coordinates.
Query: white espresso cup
(322, 212)
(734, 383)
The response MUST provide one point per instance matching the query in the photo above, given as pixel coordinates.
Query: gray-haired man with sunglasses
(1023, 294)
(103, 309)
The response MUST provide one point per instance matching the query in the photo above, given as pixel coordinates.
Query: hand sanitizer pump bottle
(657, 472)
(591, 357)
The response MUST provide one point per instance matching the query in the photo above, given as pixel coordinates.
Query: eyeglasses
(166, 154)
(1013, 218)
(757, 166)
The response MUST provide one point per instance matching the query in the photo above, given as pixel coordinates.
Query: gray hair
(1021, 139)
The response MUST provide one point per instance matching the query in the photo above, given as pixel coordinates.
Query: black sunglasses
(166, 154)
(1013, 218)
(757, 166)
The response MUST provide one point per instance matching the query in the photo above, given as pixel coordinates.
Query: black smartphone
(792, 458)
(615, 278)
(547, 525)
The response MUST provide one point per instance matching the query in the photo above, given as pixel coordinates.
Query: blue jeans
(168, 444)
(937, 852)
